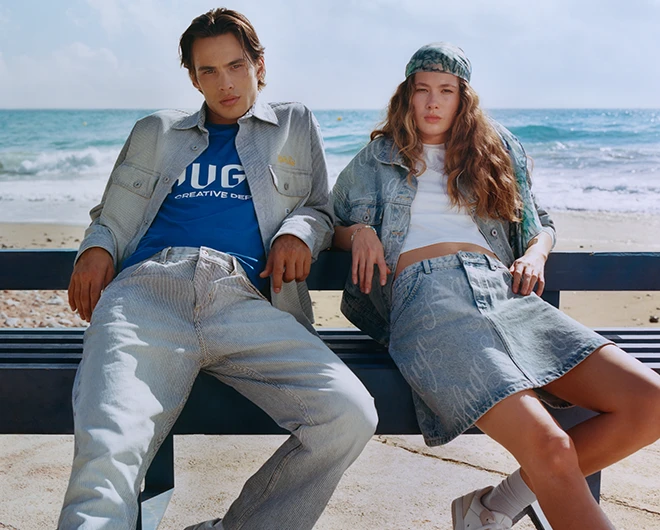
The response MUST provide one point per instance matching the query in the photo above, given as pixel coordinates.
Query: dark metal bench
(37, 366)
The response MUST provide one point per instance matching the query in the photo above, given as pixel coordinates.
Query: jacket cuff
(552, 233)
(96, 236)
(303, 230)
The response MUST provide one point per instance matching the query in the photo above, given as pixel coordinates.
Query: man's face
(226, 77)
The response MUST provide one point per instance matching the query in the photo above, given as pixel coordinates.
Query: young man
(200, 214)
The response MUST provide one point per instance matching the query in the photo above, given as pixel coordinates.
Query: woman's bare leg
(549, 459)
(625, 392)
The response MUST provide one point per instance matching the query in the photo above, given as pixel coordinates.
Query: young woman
(448, 250)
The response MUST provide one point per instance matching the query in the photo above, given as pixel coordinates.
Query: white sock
(510, 497)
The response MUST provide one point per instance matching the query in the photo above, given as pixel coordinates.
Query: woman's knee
(551, 453)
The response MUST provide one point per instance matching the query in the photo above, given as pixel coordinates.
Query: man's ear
(193, 79)
(261, 69)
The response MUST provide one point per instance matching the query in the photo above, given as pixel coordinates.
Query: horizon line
(345, 109)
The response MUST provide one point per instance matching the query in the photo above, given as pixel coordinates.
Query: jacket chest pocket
(127, 199)
(134, 180)
(291, 182)
(293, 186)
(366, 213)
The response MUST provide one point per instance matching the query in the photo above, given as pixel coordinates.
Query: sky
(334, 54)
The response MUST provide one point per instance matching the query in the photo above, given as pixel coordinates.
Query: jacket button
(194, 148)
(493, 232)
(137, 184)
(167, 179)
(286, 185)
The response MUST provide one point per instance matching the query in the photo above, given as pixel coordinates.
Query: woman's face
(435, 102)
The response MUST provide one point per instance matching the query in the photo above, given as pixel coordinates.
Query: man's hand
(289, 259)
(93, 271)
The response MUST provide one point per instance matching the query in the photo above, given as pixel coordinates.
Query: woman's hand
(527, 273)
(528, 270)
(367, 251)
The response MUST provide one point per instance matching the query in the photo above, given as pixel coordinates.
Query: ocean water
(54, 163)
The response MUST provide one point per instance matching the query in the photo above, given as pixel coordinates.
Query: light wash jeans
(156, 326)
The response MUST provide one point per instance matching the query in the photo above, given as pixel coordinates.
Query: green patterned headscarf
(440, 57)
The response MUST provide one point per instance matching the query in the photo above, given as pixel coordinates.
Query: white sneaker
(468, 513)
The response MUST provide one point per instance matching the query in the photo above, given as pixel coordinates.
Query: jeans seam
(270, 486)
(253, 374)
(484, 286)
(408, 300)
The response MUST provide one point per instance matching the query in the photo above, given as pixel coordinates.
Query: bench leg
(537, 516)
(158, 487)
(594, 485)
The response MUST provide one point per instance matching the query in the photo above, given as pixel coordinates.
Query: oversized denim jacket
(281, 150)
(373, 189)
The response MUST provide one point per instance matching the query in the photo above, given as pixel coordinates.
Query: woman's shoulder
(380, 145)
(378, 151)
(509, 139)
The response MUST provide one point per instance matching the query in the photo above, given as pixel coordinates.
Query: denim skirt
(464, 341)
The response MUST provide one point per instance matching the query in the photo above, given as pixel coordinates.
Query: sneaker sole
(457, 513)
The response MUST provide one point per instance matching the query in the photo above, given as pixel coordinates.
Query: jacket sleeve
(313, 221)
(97, 234)
(546, 221)
(340, 194)
(520, 161)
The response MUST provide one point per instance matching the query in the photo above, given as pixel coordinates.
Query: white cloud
(110, 13)
(147, 16)
(75, 18)
(3, 70)
(72, 76)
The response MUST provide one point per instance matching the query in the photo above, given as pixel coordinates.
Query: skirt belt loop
(163, 254)
(427, 266)
(492, 263)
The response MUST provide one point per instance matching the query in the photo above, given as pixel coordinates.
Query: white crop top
(432, 218)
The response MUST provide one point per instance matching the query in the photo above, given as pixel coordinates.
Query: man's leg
(279, 365)
(141, 357)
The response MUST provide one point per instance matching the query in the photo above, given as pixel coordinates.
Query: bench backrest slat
(565, 271)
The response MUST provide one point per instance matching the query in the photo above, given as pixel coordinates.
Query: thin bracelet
(363, 226)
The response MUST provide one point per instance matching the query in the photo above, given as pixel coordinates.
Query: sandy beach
(419, 483)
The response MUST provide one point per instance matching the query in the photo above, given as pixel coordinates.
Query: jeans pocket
(251, 287)
(403, 295)
(140, 267)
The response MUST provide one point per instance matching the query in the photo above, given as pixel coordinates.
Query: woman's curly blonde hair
(474, 153)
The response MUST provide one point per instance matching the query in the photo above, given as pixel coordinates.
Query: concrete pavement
(397, 483)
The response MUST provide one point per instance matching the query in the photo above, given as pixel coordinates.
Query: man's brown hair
(216, 22)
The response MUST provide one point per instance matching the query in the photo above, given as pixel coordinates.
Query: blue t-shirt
(210, 205)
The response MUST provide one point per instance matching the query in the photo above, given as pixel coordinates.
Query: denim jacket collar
(259, 110)
(390, 154)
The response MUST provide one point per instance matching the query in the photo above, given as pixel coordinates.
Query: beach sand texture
(398, 483)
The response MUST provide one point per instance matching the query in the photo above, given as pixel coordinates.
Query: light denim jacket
(373, 189)
(281, 150)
